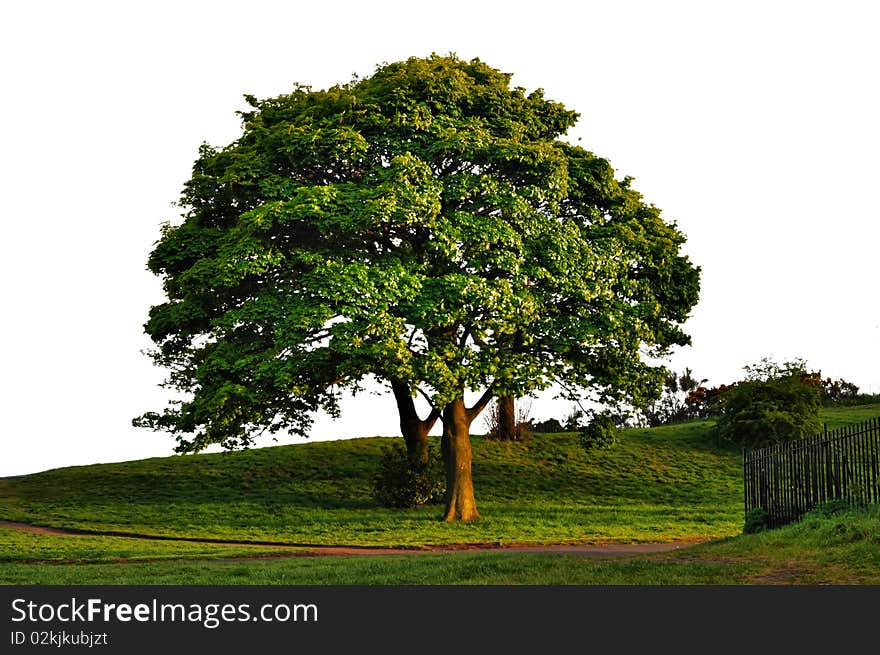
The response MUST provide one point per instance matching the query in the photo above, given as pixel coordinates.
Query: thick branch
(462, 342)
(478, 407)
(435, 412)
(432, 418)
(407, 407)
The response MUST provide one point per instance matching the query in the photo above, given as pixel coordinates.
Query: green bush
(599, 433)
(757, 520)
(402, 482)
(835, 507)
(758, 413)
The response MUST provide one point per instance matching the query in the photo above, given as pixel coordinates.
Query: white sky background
(754, 125)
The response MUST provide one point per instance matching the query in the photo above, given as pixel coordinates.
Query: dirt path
(587, 550)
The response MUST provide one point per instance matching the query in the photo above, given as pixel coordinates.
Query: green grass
(837, 417)
(841, 548)
(664, 484)
(433, 569)
(18, 546)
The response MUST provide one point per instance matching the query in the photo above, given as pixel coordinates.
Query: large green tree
(426, 226)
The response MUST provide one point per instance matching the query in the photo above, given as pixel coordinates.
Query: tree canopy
(427, 226)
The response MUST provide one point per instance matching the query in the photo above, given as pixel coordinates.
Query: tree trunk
(506, 419)
(456, 447)
(414, 430)
(415, 436)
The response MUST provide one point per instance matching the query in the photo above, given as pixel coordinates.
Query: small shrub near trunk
(402, 482)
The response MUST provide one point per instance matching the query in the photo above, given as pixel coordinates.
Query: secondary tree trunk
(456, 447)
(415, 436)
(414, 430)
(506, 419)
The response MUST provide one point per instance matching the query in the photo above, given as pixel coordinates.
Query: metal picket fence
(788, 479)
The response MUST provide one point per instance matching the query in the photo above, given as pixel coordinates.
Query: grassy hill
(664, 484)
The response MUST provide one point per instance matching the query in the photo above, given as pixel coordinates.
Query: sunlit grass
(17, 546)
(673, 483)
(840, 548)
(664, 484)
(654, 485)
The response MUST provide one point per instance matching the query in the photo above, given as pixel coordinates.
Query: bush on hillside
(599, 433)
(677, 400)
(402, 482)
(762, 412)
(551, 425)
(858, 399)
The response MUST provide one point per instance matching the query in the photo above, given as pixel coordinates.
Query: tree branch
(407, 407)
(462, 342)
(432, 418)
(433, 415)
(426, 397)
(478, 407)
